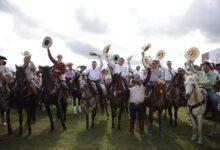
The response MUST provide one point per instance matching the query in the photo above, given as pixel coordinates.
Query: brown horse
(119, 95)
(90, 99)
(156, 103)
(173, 96)
(53, 95)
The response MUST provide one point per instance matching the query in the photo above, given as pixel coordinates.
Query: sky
(78, 27)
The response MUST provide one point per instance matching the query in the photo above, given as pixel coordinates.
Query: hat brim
(3, 58)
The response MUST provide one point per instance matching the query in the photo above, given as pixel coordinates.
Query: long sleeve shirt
(30, 70)
(137, 93)
(118, 68)
(59, 68)
(134, 72)
(168, 73)
(94, 74)
(206, 79)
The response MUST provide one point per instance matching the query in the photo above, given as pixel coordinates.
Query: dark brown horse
(173, 96)
(53, 95)
(119, 95)
(156, 103)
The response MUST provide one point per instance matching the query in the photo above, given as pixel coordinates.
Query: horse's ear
(16, 66)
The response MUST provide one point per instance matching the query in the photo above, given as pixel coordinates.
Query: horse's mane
(197, 91)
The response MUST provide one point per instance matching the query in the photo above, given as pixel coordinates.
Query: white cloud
(78, 27)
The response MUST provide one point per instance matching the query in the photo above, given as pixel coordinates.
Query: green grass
(102, 136)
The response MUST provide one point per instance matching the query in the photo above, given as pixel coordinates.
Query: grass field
(102, 136)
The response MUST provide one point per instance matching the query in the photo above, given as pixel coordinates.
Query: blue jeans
(99, 88)
(64, 85)
(212, 97)
(149, 87)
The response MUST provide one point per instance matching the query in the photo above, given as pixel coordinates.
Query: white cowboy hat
(148, 59)
(26, 54)
(93, 53)
(47, 42)
(192, 53)
(160, 54)
(106, 49)
(146, 47)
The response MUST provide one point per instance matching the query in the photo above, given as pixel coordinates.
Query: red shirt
(58, 68)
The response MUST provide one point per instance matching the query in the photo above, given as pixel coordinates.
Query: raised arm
(143, 61)
(192, 69)
(50, 56)
(110, 63)
(101, 62)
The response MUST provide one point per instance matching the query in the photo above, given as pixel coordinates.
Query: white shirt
(94, 74)
(30, 69)
(118, 69)
(168, 74)
(140, 73)
(137, 93)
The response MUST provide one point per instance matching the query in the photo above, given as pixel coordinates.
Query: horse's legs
(160, 112)
(165, 112)
(8, 122)
(93, 115)
(28, 111)
(87, 119)
(113, 116)
(33, 111)
(199, 119)
(74, 105)
(106, 107)
(20, 120)
(119, 117)
(150, 128)
(64, 108)
(50, 116)
(60, 113)
(170, 114)
(176, 108)
(194, 128)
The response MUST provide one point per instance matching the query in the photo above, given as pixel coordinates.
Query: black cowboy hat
(3, 58)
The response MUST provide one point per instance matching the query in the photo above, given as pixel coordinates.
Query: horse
(156, 103)
(173, 96)
(24, 98)
(75, 91)
(196, 98)
(53, 95)
(118, 96)
(90, 98)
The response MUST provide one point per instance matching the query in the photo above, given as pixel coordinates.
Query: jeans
(99, 88)
(212, 97)
(149, 87)
(64, 85)
(136, 109)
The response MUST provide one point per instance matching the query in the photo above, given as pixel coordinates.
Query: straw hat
(26, 54)
(192, 53)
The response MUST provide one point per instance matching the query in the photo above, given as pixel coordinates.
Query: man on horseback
(94, 75)
(154, 73)
(119, 68)
(70, 73)
(206, 79)
(136, 71)
(58, 71)
(30, 71)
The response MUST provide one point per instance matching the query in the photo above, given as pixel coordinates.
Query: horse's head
(116, 79)
(190, 84)
(159, 87)
(46, 75)
(21, 78)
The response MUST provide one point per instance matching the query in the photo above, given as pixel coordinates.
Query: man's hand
(142, 54)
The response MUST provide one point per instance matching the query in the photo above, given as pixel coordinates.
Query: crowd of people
(139, 82)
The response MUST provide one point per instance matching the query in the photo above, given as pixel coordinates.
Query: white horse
(196, 105)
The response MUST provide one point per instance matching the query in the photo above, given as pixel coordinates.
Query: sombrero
(106, 49)
(47, 42)
(160, 54)
(146, 47)
(192, 53)
(26, 54)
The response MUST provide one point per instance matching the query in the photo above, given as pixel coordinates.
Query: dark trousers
(64, 85)
(139, 110)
